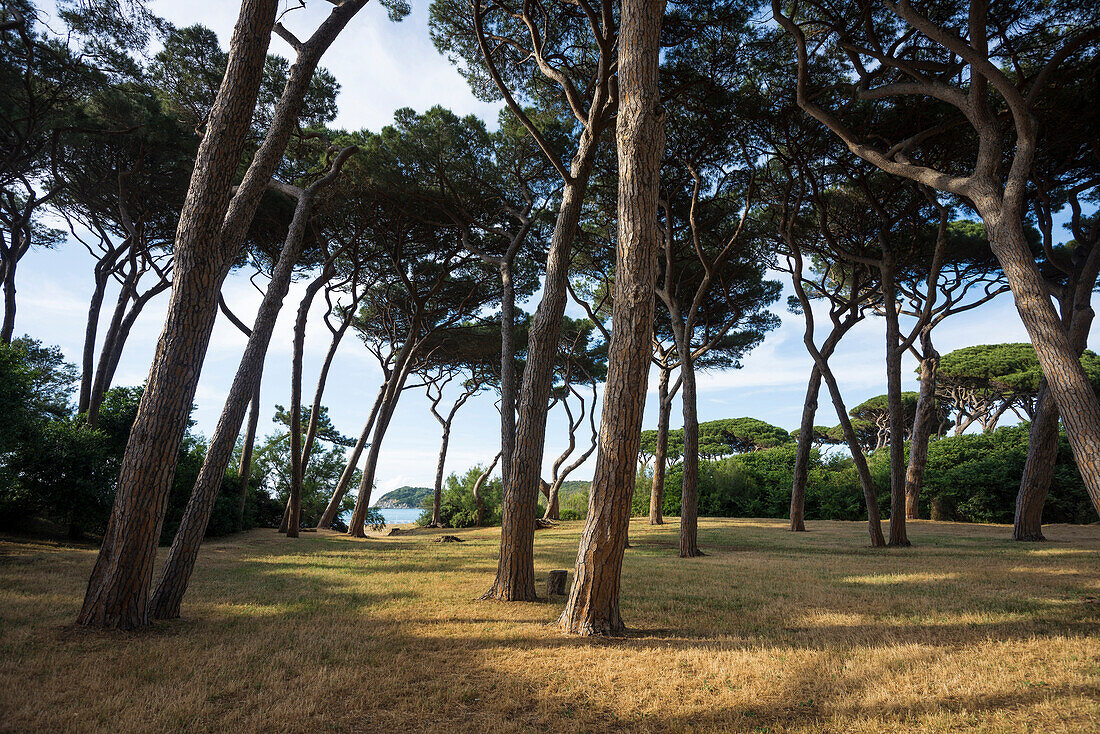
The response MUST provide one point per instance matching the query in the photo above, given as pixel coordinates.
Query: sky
(383, 66)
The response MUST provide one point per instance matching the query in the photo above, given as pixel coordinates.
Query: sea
(393, 516)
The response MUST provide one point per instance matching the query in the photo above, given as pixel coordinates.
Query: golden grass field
(772, 632)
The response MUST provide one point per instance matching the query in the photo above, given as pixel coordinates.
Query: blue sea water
(399, 516)
(392, 516)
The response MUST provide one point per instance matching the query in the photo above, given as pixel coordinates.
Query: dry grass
(772, 632)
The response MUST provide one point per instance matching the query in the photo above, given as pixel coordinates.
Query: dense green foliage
(970, 478)
(57, 474)
(458, 508)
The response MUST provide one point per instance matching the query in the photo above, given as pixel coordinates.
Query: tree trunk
(689, 496)
(329, 516)
(297, 470)
(507, 371)
(392, 394)
(169, 592)
(437, 501)
(806, 430)
(87, 362)
(1066, 378)
(7, 330)
(1042, 456)
(923, 423)
(244, 471)
(118, 590)
(897, 410)
(593, 604)
(515, 577)
(802, 455)
(660, 453)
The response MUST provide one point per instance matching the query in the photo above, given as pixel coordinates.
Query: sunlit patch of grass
(771, 631)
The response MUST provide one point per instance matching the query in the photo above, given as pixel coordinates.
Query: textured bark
(515, 578)
(87, 361)
(333, 507)
(896, 409)
(244, 471)
(802, 454)
(394, 385)
(1066, 378)
(211, 229)
(118, 590)
(923, 424)
(660, 453)
(806, 429)
(297, 470)
(507, 370)
(593, 604)
(8, 327)
(169, 592)
(1042, 455)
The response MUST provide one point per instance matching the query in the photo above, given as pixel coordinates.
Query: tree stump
(555, 583)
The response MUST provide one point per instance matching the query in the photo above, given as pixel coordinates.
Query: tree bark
(166, 599)
(507, 371)
(515, 577)
(660, 453)
(689, 495)
(437, 495)
(1042, 456)
(802, 454)
(1066, 378)
(211, 229)
(923, 423)
(897, 410)
(392, 394)
(118, 590)
(593, 604)
(337, 498)
(297, 453)
(244, 471)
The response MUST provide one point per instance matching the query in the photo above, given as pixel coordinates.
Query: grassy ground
(771, 632)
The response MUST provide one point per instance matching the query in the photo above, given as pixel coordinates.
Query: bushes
(970, 478)
(975, 478)
(458, 508)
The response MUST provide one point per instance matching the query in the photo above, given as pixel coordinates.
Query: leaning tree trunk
(923, 423)
(244, 470)
(896, 409)
(1042, 456)
(478, 499)
(1077, 403)
(437, 495)
(7, 329)
(118, 590)
(660, 452)
(329, 516)
(394, 386)
(515, 577)
(802, 455)
(87, 361)
(169, 592)
(593, 604)
(212, 226)
(806, 429)
(297, 470)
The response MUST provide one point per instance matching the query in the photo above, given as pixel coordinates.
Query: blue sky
(383, 66)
